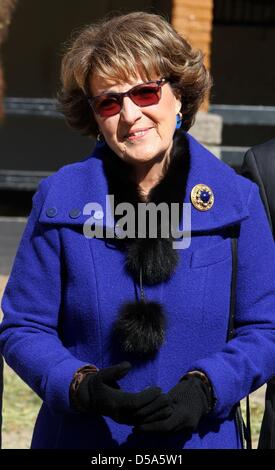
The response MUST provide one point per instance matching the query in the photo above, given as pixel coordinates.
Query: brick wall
(193, 19)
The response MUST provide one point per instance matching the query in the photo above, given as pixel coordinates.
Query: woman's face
(138, 134)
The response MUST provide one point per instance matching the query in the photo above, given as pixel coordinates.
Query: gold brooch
(202, 197)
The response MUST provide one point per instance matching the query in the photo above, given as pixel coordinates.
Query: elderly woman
(124, 336)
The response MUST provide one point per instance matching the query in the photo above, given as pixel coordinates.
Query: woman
(125, 338)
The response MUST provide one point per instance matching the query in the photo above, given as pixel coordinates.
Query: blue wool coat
(65, 290)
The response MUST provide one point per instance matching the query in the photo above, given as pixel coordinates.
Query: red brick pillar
(6, 9)
(193, 19)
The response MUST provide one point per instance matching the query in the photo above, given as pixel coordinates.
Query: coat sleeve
(248, 361)
(29, 337)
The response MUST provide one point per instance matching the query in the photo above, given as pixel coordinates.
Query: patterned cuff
(78, 377)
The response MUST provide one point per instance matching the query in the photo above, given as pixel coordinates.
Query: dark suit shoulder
(259, 166)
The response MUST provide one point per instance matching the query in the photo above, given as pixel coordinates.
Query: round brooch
(202, 197)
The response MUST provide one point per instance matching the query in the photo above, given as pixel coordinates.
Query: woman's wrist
(78, 377)
(205, 380)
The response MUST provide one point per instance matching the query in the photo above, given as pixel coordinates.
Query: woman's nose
(130, 112)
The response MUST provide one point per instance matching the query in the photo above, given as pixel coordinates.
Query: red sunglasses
(145, 94)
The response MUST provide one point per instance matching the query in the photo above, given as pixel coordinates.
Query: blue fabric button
(51, 212)
(205, 196)
(75, 213)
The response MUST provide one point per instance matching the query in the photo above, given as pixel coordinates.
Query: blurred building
(237, 37)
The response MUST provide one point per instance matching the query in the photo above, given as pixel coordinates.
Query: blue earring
(179, 120)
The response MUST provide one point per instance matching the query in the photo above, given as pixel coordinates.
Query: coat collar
(74, 186)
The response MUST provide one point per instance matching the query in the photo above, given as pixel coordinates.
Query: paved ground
(3, 281)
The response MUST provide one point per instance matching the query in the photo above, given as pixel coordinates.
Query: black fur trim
(156, 256)
(140, 328)
(172, 187)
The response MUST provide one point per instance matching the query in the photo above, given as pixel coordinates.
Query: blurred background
(237, 38)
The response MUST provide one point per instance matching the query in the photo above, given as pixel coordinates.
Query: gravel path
(3, 282)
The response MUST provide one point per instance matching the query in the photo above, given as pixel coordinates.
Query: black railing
(27, 180)
(32, 107)
(241, 115)
(245, 115)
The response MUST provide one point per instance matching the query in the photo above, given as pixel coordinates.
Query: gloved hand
(189, 400)
(99, 393)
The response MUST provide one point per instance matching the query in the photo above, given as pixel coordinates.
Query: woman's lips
(138, 134)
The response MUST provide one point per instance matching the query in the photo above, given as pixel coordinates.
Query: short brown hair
(116, 48)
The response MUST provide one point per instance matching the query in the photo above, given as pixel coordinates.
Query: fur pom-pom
(157, 258)
(140, 328)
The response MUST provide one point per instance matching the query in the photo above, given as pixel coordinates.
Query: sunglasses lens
(146, 95)
(106, 107)
(141, 95)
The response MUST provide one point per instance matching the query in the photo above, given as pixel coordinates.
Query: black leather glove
(99, 393)
(189, 400)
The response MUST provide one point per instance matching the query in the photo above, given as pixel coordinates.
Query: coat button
(51, 212)
(75, 213)
(98, 215)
